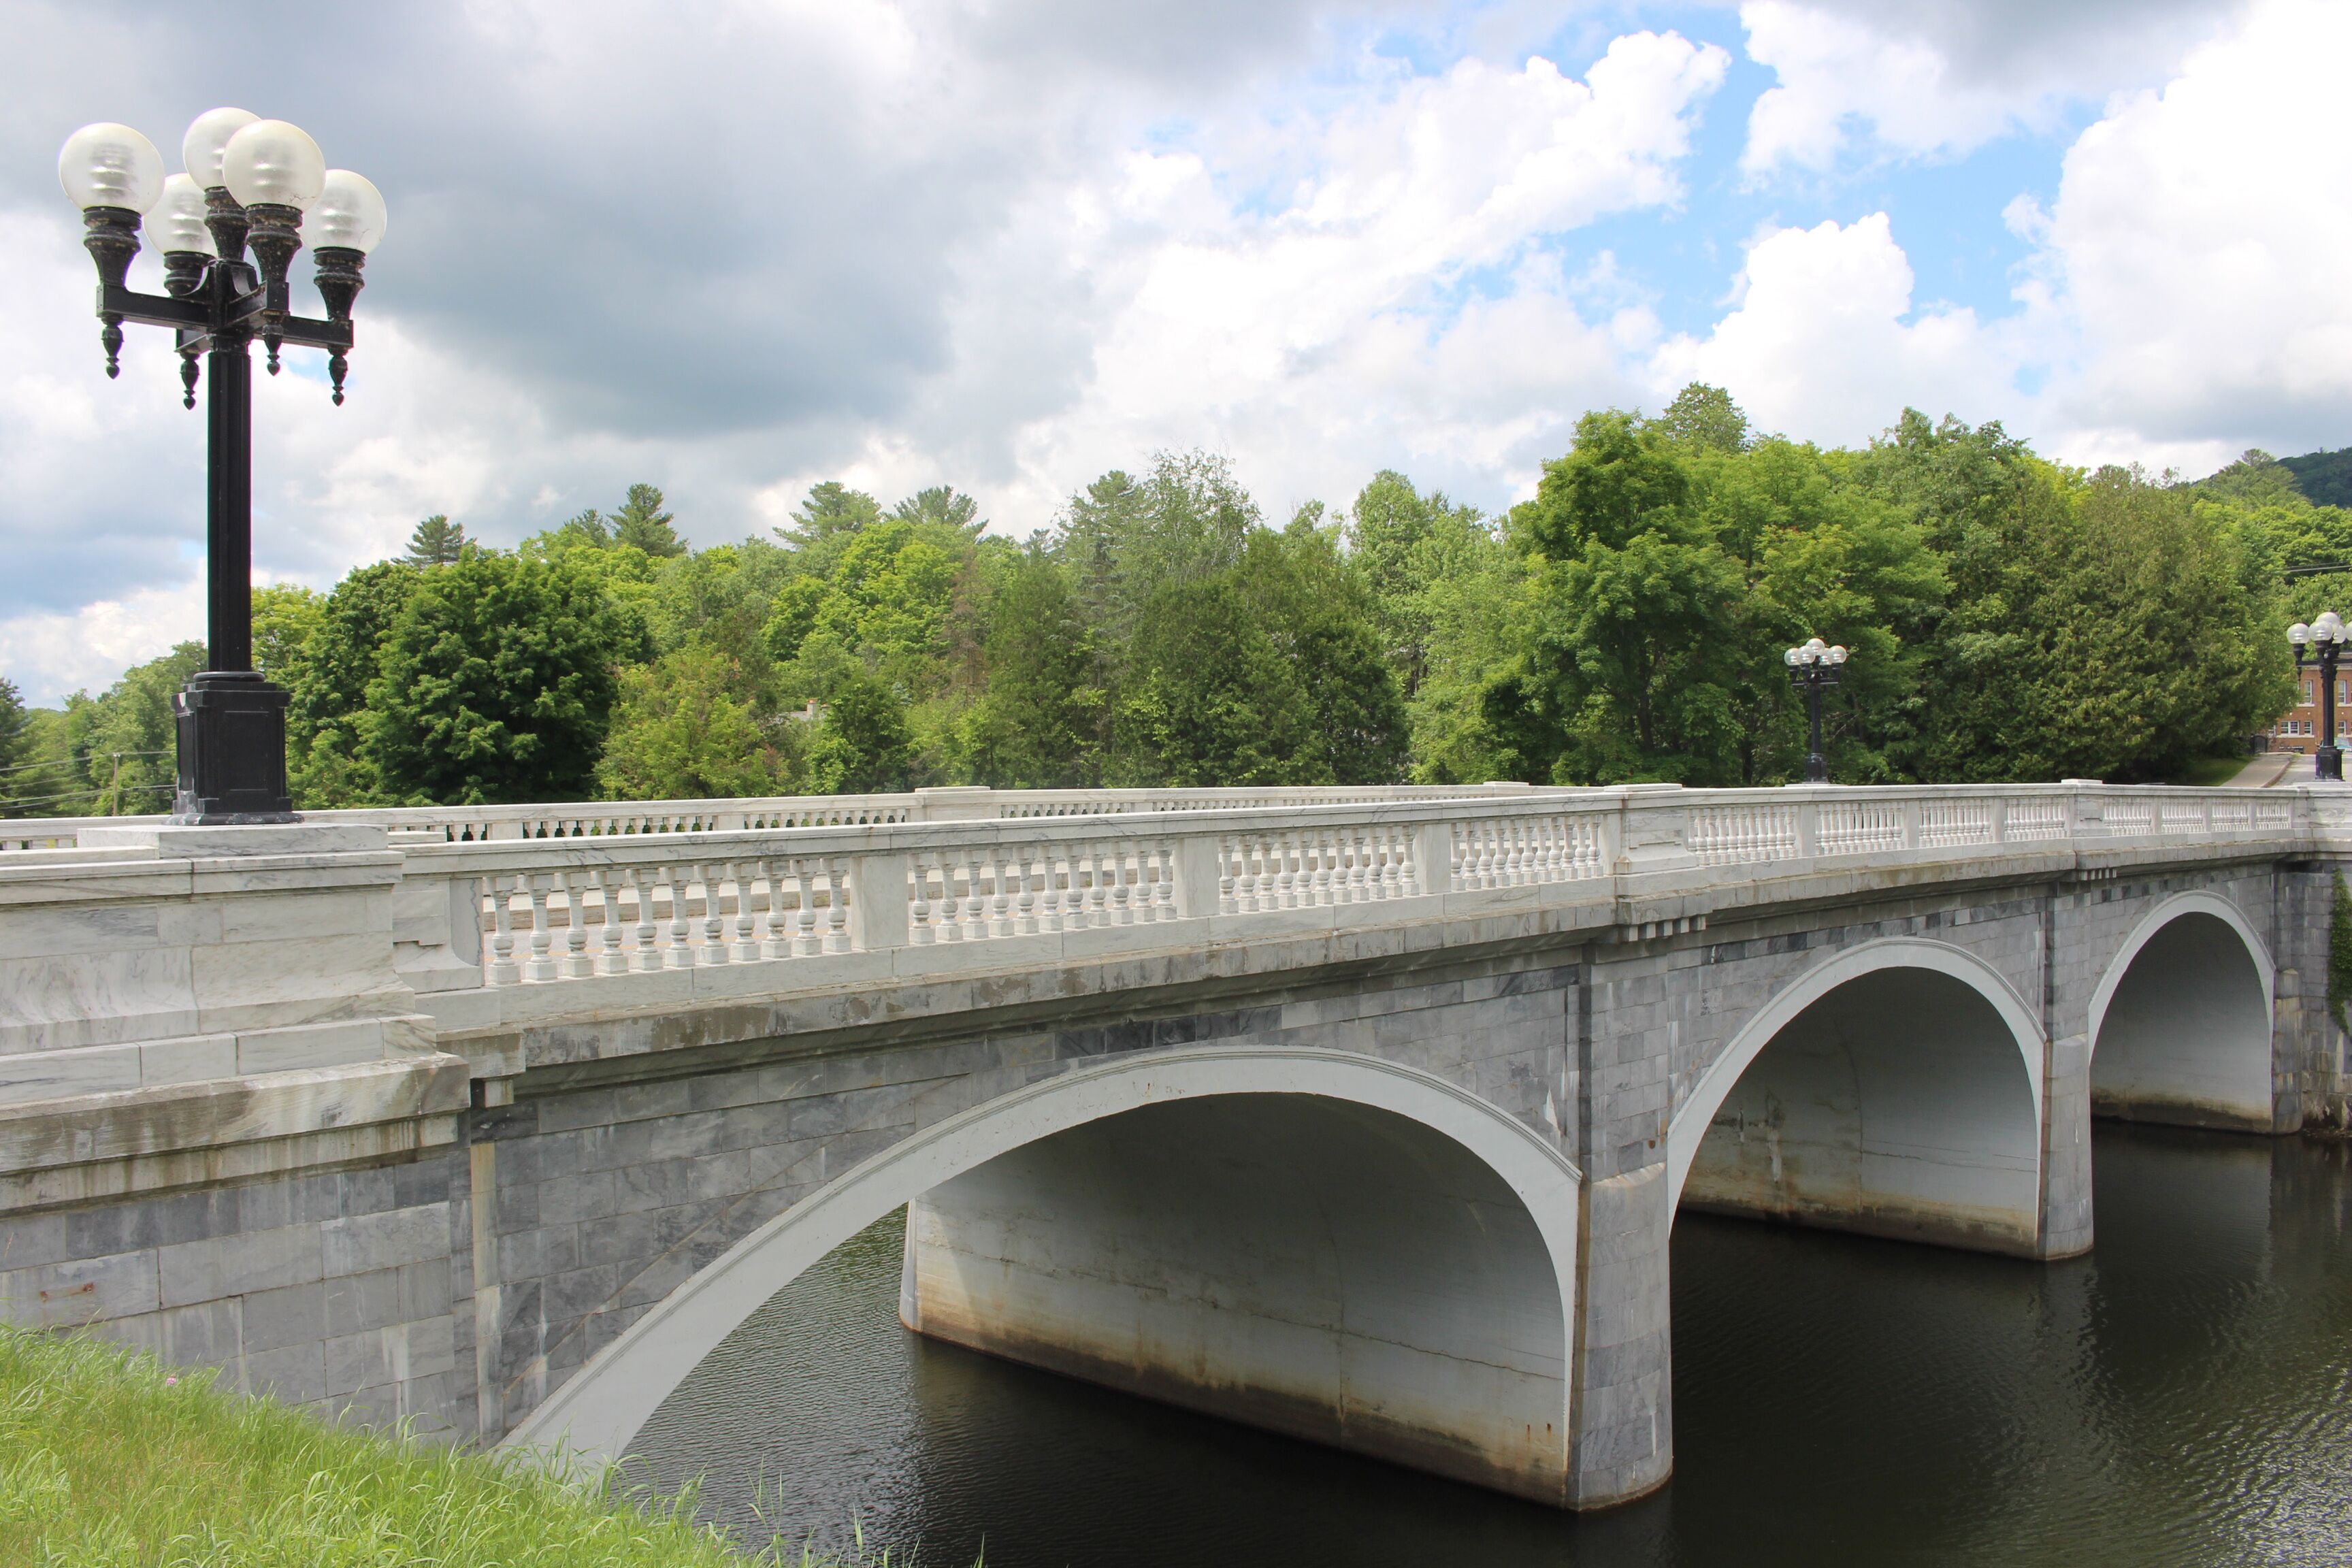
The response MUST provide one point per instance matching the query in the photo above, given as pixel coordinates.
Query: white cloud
(2201, 248)
(52, 653)
(1396, 307)
(1945, 77)
(1822, 342)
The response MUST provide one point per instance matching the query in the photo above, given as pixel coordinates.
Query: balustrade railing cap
(258, 838)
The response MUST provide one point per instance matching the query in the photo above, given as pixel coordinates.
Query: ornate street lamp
(1813, 669)
(250, 183)
(2322, 642)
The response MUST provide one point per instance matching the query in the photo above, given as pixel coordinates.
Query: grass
(2207, 771)
(109, 1460)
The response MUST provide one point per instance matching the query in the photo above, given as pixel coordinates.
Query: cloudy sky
(734, 247)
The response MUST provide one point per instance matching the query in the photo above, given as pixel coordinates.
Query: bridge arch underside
(1327, 1245)
(1324, 1269)
(2185, 1036)
(1897, 1104)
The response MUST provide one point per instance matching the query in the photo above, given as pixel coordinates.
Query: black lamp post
(1813, 669)
(2322, 643)
(257, 184)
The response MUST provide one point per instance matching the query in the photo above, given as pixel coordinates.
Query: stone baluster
(836, 918)
(609, 957)
(679, 954)
(918, 911)
(1285, 876)
(1049, 899)
(1163, 886)
(1229, 861)
(646, 955)
(576, 962)
(1024, 914)
(504, 971)
(950, 905)
(779, 942)
(1122, 889)
(747, 947)
(1319, 843)
(805, 943)
(999, 902)
(975, 904)
(714, 920)
(542, 935)
(1097, 913)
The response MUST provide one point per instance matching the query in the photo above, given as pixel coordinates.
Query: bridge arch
(2180, 1025)
(1894, 1088)
(1504, 1198)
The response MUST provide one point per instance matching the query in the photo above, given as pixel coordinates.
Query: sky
(733, 247)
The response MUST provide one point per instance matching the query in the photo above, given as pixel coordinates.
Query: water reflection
(2182, 1395)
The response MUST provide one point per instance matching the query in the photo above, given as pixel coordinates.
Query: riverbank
(107, 1459)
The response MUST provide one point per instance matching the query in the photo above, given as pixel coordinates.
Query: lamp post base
(1817, 769)
(2328, 763)
(232, 745)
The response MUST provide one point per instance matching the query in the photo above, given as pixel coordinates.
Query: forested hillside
(2010, 620)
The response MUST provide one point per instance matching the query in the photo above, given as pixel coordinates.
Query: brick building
(2298, 729)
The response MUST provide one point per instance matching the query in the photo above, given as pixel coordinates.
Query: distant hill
(2325, 477)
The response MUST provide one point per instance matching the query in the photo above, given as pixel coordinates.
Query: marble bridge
(1362, 1115)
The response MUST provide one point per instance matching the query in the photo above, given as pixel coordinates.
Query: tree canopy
(2009, 618)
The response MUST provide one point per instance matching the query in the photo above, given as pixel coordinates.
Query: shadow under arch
(2181, 1026)
(1893, 1088)
(1460, 1143)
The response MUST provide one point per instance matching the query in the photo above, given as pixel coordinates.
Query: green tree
(1706, 418)
(30, 778)
(1616, 679)
(862, 745)
(791, 615)
(494, 684)
(16, 728)
(642, 525)
(943, 505)
(1208, 700)
(122, 742)
(1043, 721)
(831, 507)
(1406, 545)
(688, 727)
(328, 676)
(1185, 520)
(437, 542)
(1318, 615)
(590, 529)
(284, 616)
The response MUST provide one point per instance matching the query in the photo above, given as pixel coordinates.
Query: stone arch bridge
(1362, 1115)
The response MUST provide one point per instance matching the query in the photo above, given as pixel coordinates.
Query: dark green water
(2182, 1395)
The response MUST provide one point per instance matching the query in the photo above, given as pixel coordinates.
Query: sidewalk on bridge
(2263, 772)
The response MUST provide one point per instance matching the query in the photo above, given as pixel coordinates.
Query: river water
(2181, 1395)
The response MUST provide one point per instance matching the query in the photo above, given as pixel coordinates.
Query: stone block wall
(331, 1290)
(611, 1195)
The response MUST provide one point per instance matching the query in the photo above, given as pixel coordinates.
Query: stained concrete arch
(1029, 1141)
(2181, 1026)
(1895, 1088)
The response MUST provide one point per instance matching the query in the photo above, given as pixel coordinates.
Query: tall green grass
(109, 1460)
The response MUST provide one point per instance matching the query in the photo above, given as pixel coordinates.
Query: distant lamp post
(250, 183)
(2322, 643)
(1813, 669)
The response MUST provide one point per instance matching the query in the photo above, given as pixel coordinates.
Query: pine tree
(437, 541)
(642, 521)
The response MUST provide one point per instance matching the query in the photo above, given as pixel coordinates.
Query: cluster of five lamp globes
(248, 182)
